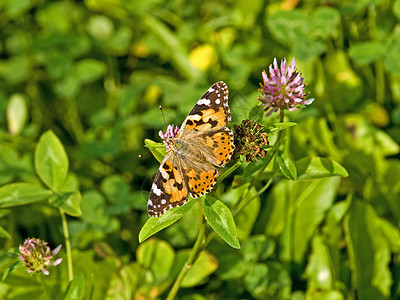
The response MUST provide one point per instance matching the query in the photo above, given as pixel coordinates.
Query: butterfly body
(203, 140)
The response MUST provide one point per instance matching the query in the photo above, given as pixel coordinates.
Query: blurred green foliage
(89, 76)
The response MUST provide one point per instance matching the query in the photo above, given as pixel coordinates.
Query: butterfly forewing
(221, 143)
(210, 112)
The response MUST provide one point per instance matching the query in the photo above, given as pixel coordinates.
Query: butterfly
(202, 141)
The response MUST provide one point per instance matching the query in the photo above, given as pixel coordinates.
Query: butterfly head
(169, 135)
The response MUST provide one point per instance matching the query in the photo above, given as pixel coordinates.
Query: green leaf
(310, 200)
(296, 209)
(391, 233)
(154, 225)
(257, 280)
(365, 137)
(68, 87)
(287, 166)
(17, 113)
(318, 269)
(257, 248)
(119, 195)
(220, 218)
(333, 232)
(69, 202)
(22, 193)
(288, 27)
(5, 212)
(76, 288)
(57, 16)
(396, 9)
(365, 53)
(308, 48)
(293, 28)
(231, 267)
(13, 252)
(279, 277)
(346, 85)
(317, 294)
(392, 57)
(100, 27)
(246, 218)
(172, 46)
(4, 233)
(256, 113)
(391, 174)
(369, 252)
(319, 167)
(89, 70)
(204, 266)
(15, 69)
(131, 278)
(158, 149)
(16, 265)
(276, 209)
(71, 184)
(281, 126)
(120, 41)
(93, 206)
(51, 161)
(115, 188)
(9, 162)
(157, 256)
(254, 167)
(325, 22)
(98, 272)
(315, 133)
(14, 9)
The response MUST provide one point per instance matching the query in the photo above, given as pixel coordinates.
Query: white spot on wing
(150, 202)
(164, 174)
(163, 201)
(156, 190)
(195, 117)
(217, 101)
(204, 101)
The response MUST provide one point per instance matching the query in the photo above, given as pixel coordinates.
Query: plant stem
(67, 246)
(201, 242)
(46, 290)
(74, 120)
(197, 248)
(380, 81)
(229, 171)
(264, 188)
(379, 64)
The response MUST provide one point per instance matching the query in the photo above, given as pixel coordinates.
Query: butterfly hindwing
(200, 178)
(168, 189)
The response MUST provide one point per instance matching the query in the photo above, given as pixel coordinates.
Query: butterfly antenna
(162, 113)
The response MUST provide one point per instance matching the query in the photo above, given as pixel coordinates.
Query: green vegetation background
(95, 72)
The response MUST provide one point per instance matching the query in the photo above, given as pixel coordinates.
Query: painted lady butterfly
(202, 140)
